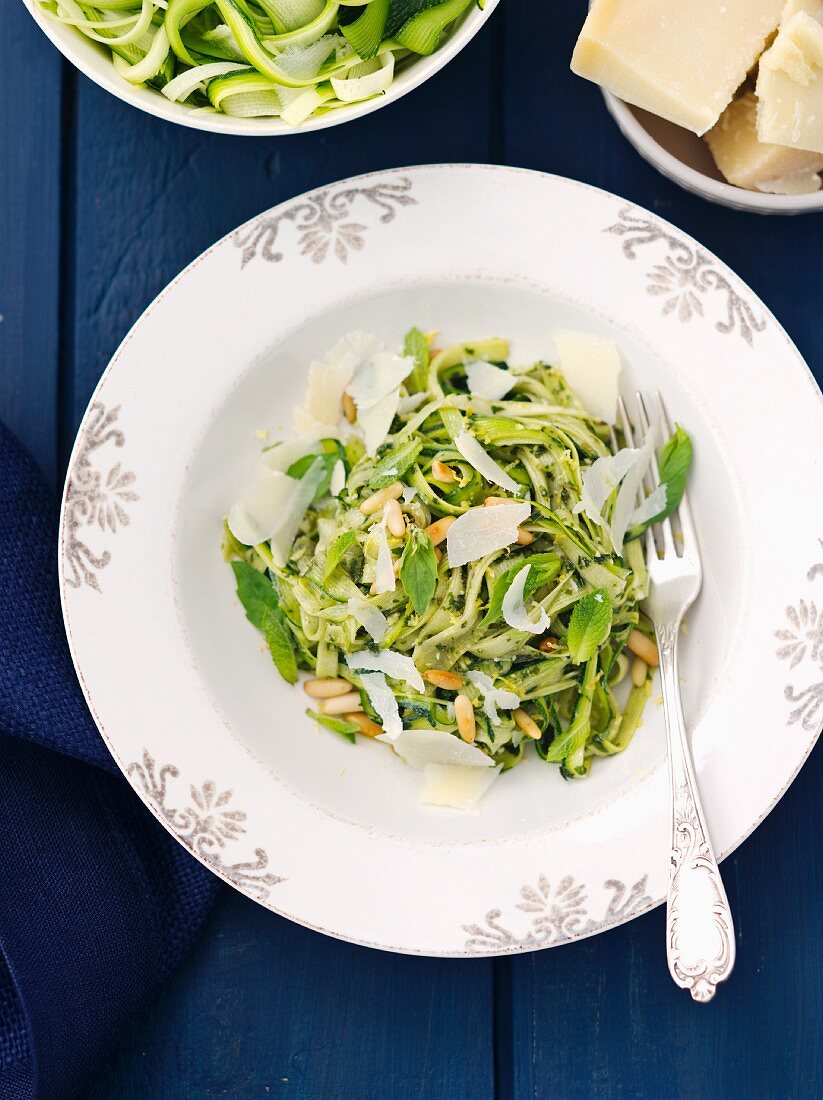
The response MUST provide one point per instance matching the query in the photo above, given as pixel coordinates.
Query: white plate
(94, 61)
(332, 835)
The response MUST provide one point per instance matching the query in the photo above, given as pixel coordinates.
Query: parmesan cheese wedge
(790, 86)
(680, 60)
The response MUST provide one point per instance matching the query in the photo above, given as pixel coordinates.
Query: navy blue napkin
(98, 904)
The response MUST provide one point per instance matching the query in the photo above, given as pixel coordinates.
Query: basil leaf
(348, 730)
(393, 465)
(255, 591)
(279, 640)
(674, 462)
(544, 568)
(418, 570)
(590, 625)
(417, 347)
(337, 549)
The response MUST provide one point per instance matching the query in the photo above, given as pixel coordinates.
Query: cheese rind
(681, 61)
(790, 86)
(756, 165)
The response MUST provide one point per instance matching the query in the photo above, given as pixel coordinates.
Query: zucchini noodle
(533, 633)
(288, 59)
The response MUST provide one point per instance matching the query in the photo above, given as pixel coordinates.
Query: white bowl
(334, 835)
(685, 158)
(95, 62)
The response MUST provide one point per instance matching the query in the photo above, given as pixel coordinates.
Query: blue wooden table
(99, 207)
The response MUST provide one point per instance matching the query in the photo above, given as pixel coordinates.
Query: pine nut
(464, 716)
(326, 689)
(375, 502)
(640, 671)
(439, 678)
(438, 530)
(363, 723)
(548, 645)
(642, 646)
(490, 502)
(444, 473)
(349, 408)
(394, 519)
(527, 724)
(342, 704)
(524, 537)
(438, 554)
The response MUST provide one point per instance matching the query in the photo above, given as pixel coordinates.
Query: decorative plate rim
(613, 917)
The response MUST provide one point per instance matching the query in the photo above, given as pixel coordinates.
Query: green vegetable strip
(153, 42)
(453, 619)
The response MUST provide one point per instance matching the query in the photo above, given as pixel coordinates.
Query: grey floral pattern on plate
(688, 280)
(557, 915)
(205, 822)
(802, 645)
(325, 222)
(97, 495)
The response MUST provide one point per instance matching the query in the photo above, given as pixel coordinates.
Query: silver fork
(700, 943)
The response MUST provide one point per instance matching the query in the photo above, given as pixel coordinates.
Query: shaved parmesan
(626, 502)
(601, 479)
(514, 607)
(483, 462)
(486, 380)
(291, 517)
(456, 786)
(652, 506)
(393, 664)
(374, 622)
(385, 580)
(337, 482)
(254, 517)
(493, 697)
(320, 413)
(409, 404)
(378, 376)
(308, 427)
(376, 421)
(409, 493)
(281, 456)
(482, 531)
(382, 699)
(422, 747)
(591, 366)
(273, 504)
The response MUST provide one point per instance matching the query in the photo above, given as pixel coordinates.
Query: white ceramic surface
(333, 835)
(686, 160)
(95, 62)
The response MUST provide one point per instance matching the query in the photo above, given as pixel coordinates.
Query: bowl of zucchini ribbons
(259, 67)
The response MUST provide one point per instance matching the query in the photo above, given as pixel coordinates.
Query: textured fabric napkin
(98, 904)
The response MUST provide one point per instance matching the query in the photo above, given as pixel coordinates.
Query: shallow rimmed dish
(333, 836)
(685, 159)
(95, 63)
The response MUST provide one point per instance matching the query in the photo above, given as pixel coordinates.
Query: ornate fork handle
(699, 930)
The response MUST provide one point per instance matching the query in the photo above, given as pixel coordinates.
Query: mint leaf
(590, 625)
(336, 552)
(393, 465)
(674, 461)
(418, 570)
(255, 591)
(544, 568)
(348, 730)
(279, 640)
(417, 346)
